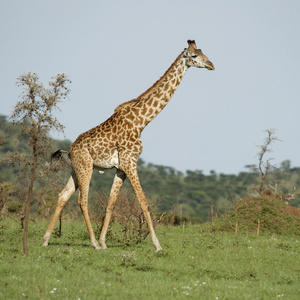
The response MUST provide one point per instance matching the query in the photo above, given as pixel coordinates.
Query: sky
(113, 51)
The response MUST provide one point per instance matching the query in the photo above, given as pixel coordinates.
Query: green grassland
(196, 263)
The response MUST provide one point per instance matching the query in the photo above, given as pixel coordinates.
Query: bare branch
(265, 167)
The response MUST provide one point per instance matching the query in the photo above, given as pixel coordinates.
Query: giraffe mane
(136, 100)
(127, 103)
(162, 78)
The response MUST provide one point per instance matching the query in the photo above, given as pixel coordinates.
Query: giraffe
(116, 143)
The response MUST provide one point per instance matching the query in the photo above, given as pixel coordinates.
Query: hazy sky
(114, 50)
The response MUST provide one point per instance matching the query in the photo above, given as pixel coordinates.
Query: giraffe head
(195, 58)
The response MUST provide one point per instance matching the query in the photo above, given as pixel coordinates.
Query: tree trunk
(27, 209)
(29, 199)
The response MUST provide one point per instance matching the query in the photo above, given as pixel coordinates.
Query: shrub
(265, 212)
(129, 224)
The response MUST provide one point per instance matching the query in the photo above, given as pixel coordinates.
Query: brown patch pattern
(116, 144)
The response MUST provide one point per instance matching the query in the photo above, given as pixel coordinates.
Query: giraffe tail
(58, 161)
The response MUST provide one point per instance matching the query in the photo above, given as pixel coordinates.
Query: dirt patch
(294, 211)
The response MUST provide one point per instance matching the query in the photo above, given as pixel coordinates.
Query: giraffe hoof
(158, 247)
(46, 239)
(96, 246)
(102, 245)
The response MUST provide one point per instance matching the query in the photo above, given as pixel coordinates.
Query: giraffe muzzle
(209, 65)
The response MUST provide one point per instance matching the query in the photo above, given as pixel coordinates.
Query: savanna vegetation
(190, 194)
(246, 248)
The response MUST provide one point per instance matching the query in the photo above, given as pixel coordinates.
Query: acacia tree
(34, 111)
(265, 167)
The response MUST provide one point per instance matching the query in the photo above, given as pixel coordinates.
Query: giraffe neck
(153, 101)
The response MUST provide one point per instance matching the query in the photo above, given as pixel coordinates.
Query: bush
(130, 226)
(265, 212)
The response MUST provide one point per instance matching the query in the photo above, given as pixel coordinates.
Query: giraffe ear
(192, 44)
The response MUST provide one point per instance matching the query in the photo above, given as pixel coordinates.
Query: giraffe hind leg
(83, 203)
(63, 199)
(84, 179)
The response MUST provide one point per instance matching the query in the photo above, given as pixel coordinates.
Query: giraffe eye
(194, 56)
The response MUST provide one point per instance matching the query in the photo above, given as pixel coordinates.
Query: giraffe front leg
(131, 172)
(114, 192)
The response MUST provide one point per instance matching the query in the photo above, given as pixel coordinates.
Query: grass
(195, 264)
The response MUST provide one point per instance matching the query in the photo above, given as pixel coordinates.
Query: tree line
(191, 193)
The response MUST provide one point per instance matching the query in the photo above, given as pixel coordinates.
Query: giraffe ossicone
(116, 143)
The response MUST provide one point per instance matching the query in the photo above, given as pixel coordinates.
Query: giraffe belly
(108, 162)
